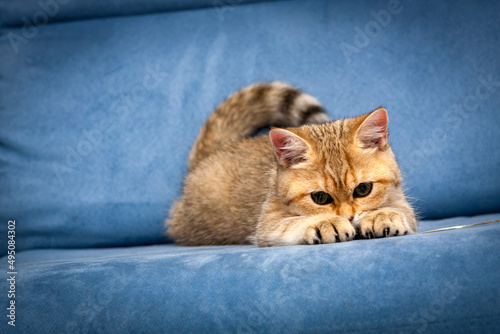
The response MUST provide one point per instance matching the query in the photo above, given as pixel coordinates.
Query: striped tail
(252, 108)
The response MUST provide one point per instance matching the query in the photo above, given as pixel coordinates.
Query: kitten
(318, 183)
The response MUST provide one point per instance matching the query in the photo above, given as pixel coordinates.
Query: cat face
(345, 167)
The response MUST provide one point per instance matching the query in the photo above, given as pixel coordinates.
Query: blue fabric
(437, 282)
(97, 117)
(39, 12)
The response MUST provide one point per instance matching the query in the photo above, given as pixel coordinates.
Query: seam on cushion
(167, 255)
(76, 15)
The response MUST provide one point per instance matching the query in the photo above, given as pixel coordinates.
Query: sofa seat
(443, 281)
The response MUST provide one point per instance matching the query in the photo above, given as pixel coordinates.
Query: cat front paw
(329, 230)
(383, 223)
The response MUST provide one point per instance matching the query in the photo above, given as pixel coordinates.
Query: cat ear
(372, 133)
(290, 148)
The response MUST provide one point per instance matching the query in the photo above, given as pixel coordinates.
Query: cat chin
(356, 221)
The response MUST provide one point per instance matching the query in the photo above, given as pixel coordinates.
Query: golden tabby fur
(263, 190)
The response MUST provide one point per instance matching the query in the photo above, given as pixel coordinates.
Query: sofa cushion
(97, 117)
(438, 282)
(39, 12)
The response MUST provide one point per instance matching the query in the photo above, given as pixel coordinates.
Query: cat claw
(387, 231)
(318, 238)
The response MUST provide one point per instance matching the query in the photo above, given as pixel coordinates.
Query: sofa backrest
(41, 12)
(97, 116)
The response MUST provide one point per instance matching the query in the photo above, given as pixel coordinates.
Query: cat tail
(252, 108)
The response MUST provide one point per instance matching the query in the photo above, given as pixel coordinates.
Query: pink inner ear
(373, 131)
(290, 148)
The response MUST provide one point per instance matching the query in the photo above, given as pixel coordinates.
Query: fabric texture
(98, 116)
(433, 283)
(40, 12)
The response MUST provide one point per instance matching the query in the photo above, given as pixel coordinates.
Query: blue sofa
(101, 101)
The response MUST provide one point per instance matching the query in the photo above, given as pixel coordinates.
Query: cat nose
(350, 218)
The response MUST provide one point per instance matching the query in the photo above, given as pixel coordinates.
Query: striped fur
(252, 108)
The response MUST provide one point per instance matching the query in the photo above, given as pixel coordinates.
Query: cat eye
(362, 190)
(321, 198)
